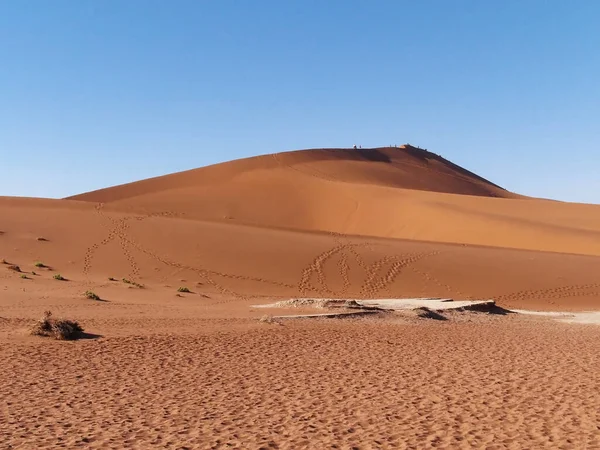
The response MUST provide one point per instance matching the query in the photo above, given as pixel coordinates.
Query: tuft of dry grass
(91, 295)
(40, 265)
(59, 277)
(133, 283)
(184, 290)
(61, 329)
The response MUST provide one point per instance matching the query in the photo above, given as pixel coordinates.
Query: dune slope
(405, 193)
(243, 264)
(392, 222)
(168, 367)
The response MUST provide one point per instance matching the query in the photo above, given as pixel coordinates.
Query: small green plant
(184, 289)
(59, 277)
(24, 276)
(40, 265)
(91, 295)
(33, 273)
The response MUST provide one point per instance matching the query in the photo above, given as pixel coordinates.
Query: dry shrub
(66, 330)
(133, 283)
(61, 329)
(43, 327)
(91, 295)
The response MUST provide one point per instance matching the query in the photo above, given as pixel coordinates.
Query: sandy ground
(162, 369)
(87, 243)
(476, 381)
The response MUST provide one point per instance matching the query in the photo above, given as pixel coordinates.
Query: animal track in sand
(431, 279)
(566, 291)
(119, 229)
(379, 275)
(375, 282)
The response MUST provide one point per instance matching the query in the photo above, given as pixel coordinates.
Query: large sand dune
(366, 223)
(197, 370)
(391, 193)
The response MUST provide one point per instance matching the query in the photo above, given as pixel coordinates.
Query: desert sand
(166, 369)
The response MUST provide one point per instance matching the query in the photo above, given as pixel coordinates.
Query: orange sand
(199, 371)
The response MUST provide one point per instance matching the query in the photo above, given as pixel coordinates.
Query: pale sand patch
(586, 317)
(389, 304)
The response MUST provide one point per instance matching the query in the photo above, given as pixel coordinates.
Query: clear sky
(101, 92)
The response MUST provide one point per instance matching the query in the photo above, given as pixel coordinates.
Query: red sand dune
(197, 370)
(391, 192)
(368, 223)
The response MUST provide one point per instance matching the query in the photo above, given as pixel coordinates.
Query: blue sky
(96, 93)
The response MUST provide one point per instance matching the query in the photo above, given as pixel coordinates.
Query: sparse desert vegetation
(91, 295)
(184, 290)
(14, 268)
(24, 276)
(59, 277)
(61, 329)
(133, 283)
(40, 265)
